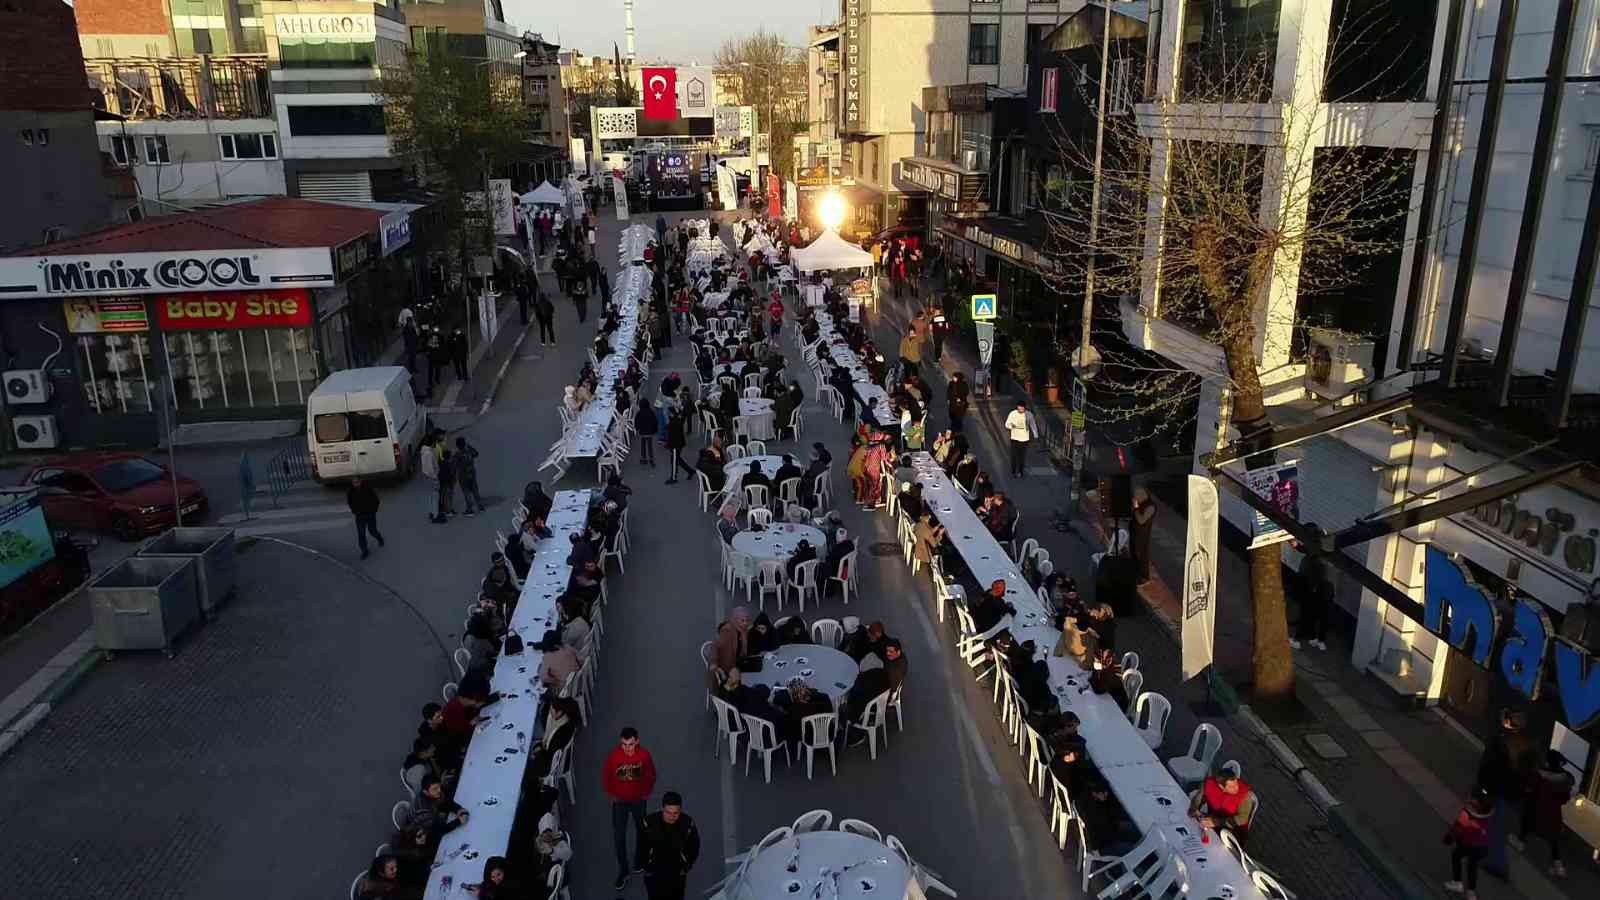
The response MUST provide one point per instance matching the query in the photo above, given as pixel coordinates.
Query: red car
(123, 493)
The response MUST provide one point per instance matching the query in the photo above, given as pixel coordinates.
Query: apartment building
(889, 50)
(549, 131)
(1442, 406)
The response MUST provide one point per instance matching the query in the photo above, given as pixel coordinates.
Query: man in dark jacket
(958, 396)
(466, 457)
(363, 502)
(803, 553)
(669, 845)
(1504, 771)
(788, 470)
(458, 353)
(545, 312)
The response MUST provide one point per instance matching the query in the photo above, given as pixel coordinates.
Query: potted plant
(1020, 365)
(1053, 379)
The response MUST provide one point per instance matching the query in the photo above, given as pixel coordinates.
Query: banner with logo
(1278, 484)
(660, 85)
(696, 88)
(93, 315)
(985, 342)
(488, 320)
(27, 539)
(727, 187)
(791, 202)
(235, 309)
(103, 274)
(620, 189)
(1200, 577)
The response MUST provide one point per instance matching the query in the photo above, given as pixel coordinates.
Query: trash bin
(212, 549)
(142, 603)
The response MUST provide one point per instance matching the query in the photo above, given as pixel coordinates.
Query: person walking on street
(629, 777)
(1144, 519)
(458, 353)
(605, 286)
(1314, 597)
(545, 312)
(669, 845)
(466, 457)
(1468, 839)
(580, 297)
(1505, 771)
(524, 297)
(675, 441)
(435, 356)
(447, 485)
(1020, 427)
(958, 396)
(363, 502)
(644, 422)
(592, 272)
(412, 340)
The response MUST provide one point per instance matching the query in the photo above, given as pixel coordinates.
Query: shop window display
(114, 370)
(241, 368)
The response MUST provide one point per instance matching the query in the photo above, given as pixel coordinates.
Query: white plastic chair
(461, 657)
(805, 582)
(774, 837)
(795, 422)
(1132, 684)
(733, 452)
(789, 490)
(763, 739)
(815, 820)
(751, 393)
(1269, 886)
(1028, 546)
(874, 719)
(847, 582)
(756, 448)
(556, 881)
(399, 813)
(1232, 766)
(769, 580)
(817, 732)
(612, 549)
(1193, 766)
(1062, 812)
(826, 632)
(865, 829)
(926, 877)
(895, 697)
(1153, 710)
(448, 691)
(1038, 753)
(729, 725)
(822, 489)
(355, 886)
(1142, 861)
(561, 773)
(755, 495)
(760, 516)
(706, 493)
(1130, 660)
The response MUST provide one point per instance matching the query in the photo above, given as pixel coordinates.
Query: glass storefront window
(323, 52)
(114, 371)
(241, 369)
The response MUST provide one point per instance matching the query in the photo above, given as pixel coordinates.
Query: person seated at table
(433, 727)
(1224, 801)
(497, 883)
(1102, 620)
(795, 704)
(703, 367)
(762, 637)
(583, 394)
(414, 850)
(1106, 677)
(832, 567)
(1069, 760)
(711, 462)
(616, 491)
(999, 517)
(990, 610)
(942, 442)
(520, 549)
(1106, 825)
(537, 502)
(791, 630)
(733, 640)
(382, 882)
(727, 409)
(870, 412)
(871, 682)
(498, 582)
(482, 640)
(808, 479)
(755, 476)
(841, 380)
(748, 699)
(966, 473)
(788, 469)
(1077, 644)
(803, 553)
(551, 846)
(1032, 675)
(560, 660)
(561, 723)
(864, 642)
(607, 521)
(569, 399)
(810, 330)
(910, 499)
(571, 618)
(423, 760)
(728, 522)
(585, 582)
(433, 810)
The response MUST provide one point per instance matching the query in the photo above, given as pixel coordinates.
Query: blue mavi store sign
(1462, 613)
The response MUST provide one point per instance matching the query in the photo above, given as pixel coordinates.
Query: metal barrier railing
(286, 468)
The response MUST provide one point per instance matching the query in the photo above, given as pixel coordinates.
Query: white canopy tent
(830, 251)
(546, 193)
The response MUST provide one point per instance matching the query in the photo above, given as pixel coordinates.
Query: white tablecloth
(757, 414)
(582, 440)
(824, 669)
(1136, 775)
(491, 775)
(841, 353)
(735, 469)
(777, 543)
(866, 869)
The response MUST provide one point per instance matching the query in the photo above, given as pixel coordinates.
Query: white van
(364, 422)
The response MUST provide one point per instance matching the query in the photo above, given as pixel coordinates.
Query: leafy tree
(766, 72)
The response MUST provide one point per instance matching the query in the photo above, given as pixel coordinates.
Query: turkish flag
(660, 92)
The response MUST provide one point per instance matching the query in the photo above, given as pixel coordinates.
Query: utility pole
(1085, 361)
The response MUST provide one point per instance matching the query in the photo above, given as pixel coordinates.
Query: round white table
(776, 544)
(822, 668)
(736, 469)
(758, 415)
(809, 865)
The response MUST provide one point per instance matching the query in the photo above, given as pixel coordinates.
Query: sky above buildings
(682, 31)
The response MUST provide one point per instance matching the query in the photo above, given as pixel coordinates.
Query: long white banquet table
(1140, 781)
(582, 440)
(866, 389)
(497, 756)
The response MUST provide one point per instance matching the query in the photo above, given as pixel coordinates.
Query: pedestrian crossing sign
(983, 307)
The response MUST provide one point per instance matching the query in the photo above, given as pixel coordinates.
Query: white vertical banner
(727, 188)
(620, 189)
(1200, 577)
(505, 216)
(488, 321)
(791, 202)
(695, 88)
(580, 159)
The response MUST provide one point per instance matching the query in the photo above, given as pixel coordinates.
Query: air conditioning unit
(1337, 362)
(34, 432)
(26, 386)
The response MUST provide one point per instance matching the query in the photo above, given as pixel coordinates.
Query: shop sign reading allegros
(103, 274)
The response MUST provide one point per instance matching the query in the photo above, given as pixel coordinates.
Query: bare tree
(1232, 204)
(763, 72)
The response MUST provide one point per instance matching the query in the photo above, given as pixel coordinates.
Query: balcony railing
(233, 87)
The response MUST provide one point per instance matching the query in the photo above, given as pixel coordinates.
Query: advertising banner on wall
(93, 315)
(727, 188)
(853, 56)
(619, 189)
(110, 274)
(1279, 484)
(791, 201)
(725, 127)
(1200, 577)
(579, 154)
(25, 540)
(695, 90)
(235, 309)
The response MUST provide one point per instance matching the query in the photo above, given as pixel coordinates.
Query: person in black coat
(803, 553)
(644, 422)
(789, 469)
(669, 845)
(755, 477)
(675, 442)
(958, 396)
(363, 501)
(843, 546)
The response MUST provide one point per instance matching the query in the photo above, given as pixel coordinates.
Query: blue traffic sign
(983, 307)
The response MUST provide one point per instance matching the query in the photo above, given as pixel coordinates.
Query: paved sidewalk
(1405, 771)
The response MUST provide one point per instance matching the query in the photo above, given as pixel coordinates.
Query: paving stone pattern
(261, 762)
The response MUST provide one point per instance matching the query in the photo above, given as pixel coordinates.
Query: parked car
(123, 493)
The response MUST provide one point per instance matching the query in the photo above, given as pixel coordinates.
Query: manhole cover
(884, 548)
(1325, 746)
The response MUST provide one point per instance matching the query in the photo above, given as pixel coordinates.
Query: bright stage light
(831, 209)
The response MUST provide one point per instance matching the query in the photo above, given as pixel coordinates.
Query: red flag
(660, 92)
(774, 197)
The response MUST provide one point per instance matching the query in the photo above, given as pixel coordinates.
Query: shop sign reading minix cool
(160, 273)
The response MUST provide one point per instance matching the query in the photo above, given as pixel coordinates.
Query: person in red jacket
(629, 776)
(1469, 840)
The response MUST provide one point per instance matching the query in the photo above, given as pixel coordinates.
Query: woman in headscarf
(762, 635)
(569, 399)
(560, 726)
(728, 521)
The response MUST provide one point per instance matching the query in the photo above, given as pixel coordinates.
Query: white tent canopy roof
(545, 193)
(830, 251)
